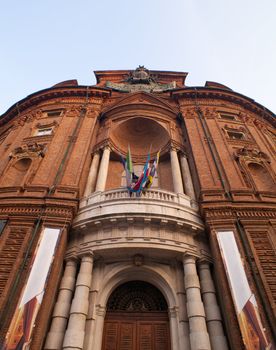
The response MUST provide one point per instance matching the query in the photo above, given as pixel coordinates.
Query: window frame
(42, 131)
(234, 132)
(228, 116)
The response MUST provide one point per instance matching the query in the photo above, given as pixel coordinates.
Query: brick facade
(229, 141)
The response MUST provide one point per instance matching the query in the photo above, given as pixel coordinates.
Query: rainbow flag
(138, 186)
(152, 171)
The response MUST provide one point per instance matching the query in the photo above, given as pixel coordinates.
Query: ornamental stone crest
(140, 75)
(140, 80)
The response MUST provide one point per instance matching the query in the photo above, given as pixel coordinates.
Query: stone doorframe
(117, 276)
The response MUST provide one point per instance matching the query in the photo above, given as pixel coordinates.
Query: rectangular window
(56, 113)
(228, 116)
(44, 131)
(235, 135)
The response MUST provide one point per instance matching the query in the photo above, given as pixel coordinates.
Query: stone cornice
(52, 93)
(15, 206)
(232, 213)
(51, 211)
(226, 95)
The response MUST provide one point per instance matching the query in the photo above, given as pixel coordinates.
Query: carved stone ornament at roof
(140, 80)
(140, 75)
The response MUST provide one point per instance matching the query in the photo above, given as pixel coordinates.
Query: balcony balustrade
(157, 220)
(152, 204)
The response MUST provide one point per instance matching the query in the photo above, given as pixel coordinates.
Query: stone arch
(16, 174)
(121, 274)
(147, 274)
(154, 276)
(136, 296)
(261, 177)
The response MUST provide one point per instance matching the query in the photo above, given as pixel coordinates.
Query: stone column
(213, 316)
(92, 177)
(91, 317)
(187, 178)
(102, 175)
(75, 332)
(199, 337)
(184, 334)
(62, 307)
(174, 328)
(176, 173)
(100, 312)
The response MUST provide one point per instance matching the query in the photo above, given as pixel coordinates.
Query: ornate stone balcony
(157, 220)
(153, 204)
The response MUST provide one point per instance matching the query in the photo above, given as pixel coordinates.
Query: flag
(128, 168)
(138, 186)
(129, 161)
(152, 171)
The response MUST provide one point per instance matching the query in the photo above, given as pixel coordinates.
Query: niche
(261, 177)
(16, 173)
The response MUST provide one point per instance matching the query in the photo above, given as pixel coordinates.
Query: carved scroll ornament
(29, 150)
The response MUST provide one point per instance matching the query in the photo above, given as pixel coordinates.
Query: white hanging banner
(20, 330)
(245, 303)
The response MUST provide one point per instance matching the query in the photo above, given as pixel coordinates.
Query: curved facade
(189, 264)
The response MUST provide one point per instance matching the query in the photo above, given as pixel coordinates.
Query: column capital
(204, 263)
(100, 147)
(72, 255)
(71, 260)
(173, 311)
(87, 253)
(189, 257)
(95, 152)
(174, 147)
(100, 310)
(183, 154)
(107, 147)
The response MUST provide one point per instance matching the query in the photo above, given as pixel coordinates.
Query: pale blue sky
(230, 42)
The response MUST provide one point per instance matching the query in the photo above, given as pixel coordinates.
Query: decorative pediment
(47, 124)
(140, 99)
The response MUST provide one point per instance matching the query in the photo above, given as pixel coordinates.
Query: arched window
(261, 177)
(17, 172)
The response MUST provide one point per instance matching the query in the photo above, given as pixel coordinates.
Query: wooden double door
(136, 331)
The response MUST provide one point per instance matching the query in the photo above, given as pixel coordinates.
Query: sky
(46, 42)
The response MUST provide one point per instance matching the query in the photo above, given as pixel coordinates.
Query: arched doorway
(136, 319)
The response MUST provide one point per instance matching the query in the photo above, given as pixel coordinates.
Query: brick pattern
(267, 258)
(9, 254)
